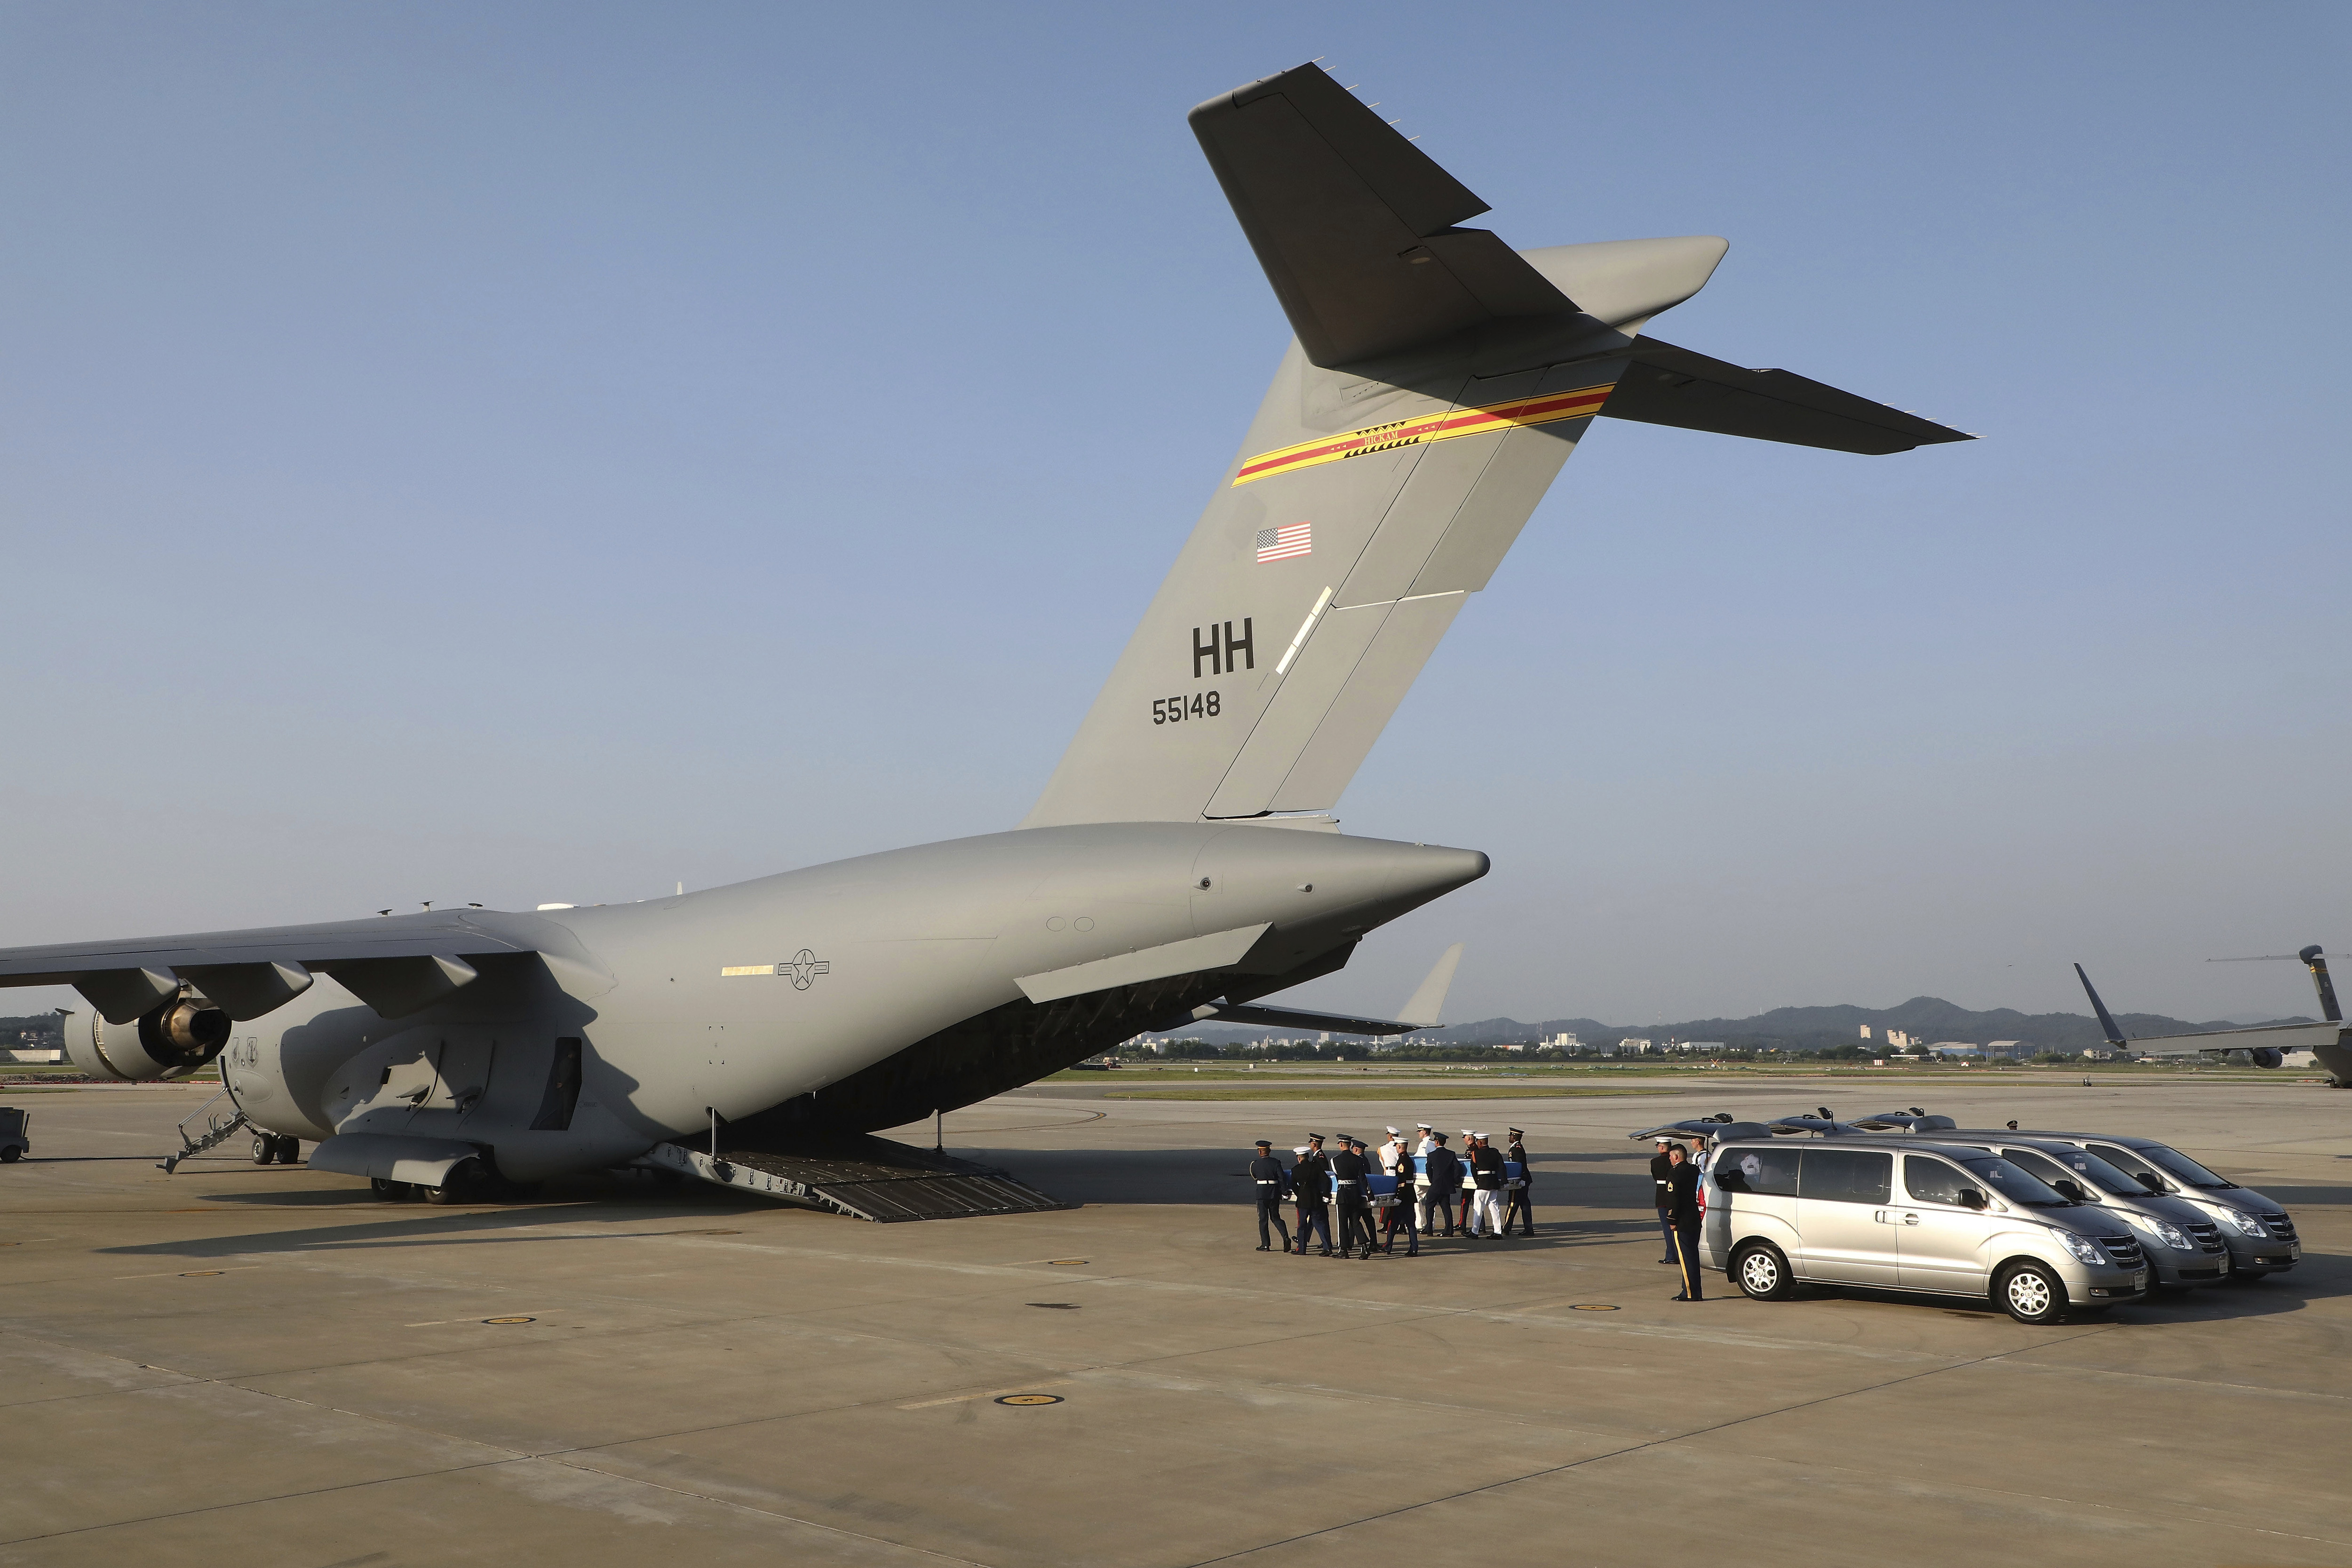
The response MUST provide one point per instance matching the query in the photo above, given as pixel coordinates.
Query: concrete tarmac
(267, 1365)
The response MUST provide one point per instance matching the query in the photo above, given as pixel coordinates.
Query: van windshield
(2015, 1185)
(2186, 1169)
(2080, 1165)
(2138, 1169)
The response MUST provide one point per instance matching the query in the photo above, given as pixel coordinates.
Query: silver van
(2259, 1234)
(2184, 1249)
(1900, 1214)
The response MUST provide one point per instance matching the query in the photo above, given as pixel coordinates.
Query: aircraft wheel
(1762, 1272)
(463, 1183)
(289, 1149)
(2030, 1293)
(265, 1148)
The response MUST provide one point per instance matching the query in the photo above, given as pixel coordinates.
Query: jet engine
(2267, 1056)
(172, 1039)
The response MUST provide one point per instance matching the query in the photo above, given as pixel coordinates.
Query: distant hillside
(1929, 1018)
(1926, 1019)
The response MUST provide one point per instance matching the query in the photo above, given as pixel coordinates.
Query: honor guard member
(1522, 1202)
(1426, 1142)
(1310, 1189)
(1273, 1183)
(1436, 1205)
(1662, 1168)
(1486, 1177)
(1469, 1147)
(1392, 1154)
(1348, 1170)
(1398, 1214)
(1682, 1185)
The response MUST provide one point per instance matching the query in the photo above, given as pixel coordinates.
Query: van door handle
(1910, 1219)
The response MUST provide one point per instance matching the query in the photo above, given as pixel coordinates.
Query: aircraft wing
(2276, 1037)
(1668, 386)
(399, 962)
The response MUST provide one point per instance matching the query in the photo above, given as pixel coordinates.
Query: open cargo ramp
(859, 1175)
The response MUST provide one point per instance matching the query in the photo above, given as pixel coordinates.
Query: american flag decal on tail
(1281, 543)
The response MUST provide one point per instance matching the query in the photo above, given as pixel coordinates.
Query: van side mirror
(1970, 1198)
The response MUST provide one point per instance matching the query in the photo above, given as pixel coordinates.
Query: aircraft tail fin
(1438, 382)
(2114, 1035)
(2317, 962)
(1428, 1000)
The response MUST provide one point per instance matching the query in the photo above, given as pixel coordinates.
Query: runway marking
(991, 1393)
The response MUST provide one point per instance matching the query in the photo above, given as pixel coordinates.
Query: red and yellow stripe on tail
(1553, 406)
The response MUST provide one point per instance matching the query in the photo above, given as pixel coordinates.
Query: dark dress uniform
(1445, 1179)
(1400, 1215)
(1310, 1189)
(1348, 1170)
(1682, 1185)
(1273, 1183)
(1662, 1168)
(1523, 1195)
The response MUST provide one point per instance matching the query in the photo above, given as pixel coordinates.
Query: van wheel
(2030, 1293)
(1762, 1272)
(11, 1155)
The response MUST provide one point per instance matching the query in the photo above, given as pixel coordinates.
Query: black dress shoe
(1266, 1247)
(1670, 1260)
(1678, 1298)
(1325, 1253)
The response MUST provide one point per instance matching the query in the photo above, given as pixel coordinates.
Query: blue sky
(547, 452)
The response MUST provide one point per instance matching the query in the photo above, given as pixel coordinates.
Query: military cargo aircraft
(1182, 862)
(2265, 1044)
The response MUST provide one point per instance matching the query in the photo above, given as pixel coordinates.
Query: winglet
(1423, 1008)
(2114, 1035)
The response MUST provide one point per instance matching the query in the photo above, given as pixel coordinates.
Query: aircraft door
(460, 1063)
(1841, 1215)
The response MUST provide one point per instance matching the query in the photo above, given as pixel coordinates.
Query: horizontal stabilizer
(1668, 386)
(1354, 225)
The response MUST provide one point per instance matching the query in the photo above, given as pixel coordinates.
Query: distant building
(1865, 1032)
(2011, 1050)
(1565, 1040)
(1701, 1046)
(1956, 1048)
(1632, 1047)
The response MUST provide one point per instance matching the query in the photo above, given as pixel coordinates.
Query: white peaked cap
(1300, 1150)
(1395, 1133)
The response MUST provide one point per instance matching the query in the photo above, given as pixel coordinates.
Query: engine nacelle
(172, 1039)
(2267, 1056)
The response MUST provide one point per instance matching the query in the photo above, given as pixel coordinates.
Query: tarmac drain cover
(202, 1273)
(1590, 1307)
(509, 1320)
(1057, 1306)
(1030, 1398)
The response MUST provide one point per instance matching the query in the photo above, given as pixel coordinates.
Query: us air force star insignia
(804, 966)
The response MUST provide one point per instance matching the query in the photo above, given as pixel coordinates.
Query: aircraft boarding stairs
(858, 1174)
